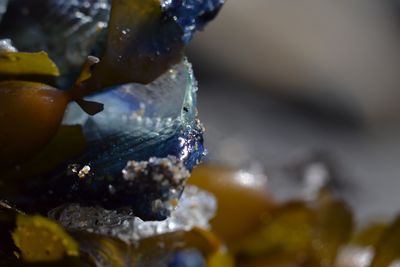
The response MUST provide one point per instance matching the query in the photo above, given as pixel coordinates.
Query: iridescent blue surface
(68, 30)
(154, 127)
(139, 122)
(191, 15)
(71, 30)
(143, 121)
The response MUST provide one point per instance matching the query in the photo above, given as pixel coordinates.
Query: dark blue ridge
(191, 15)
(61, 187)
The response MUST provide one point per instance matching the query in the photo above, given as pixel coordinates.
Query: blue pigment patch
(191, 15)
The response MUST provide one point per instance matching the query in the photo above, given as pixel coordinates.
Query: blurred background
(298, 88)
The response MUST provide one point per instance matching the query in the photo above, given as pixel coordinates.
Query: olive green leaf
(14, 65)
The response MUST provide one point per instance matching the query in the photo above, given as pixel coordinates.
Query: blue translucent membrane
(138, 154)
(154, 127)
(139, 122)
(68, 30)
(71, 30)
(143, 121)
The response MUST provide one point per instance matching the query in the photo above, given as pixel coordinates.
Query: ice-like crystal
(195, 209)
(191, 15)
(6, 46)
(149, 188)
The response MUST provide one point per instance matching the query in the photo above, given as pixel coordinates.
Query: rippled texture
(143, 121)
(120, 173)
(195, 209)
(154, 126)
(66, 30)
(191, 15)
(70, 31)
